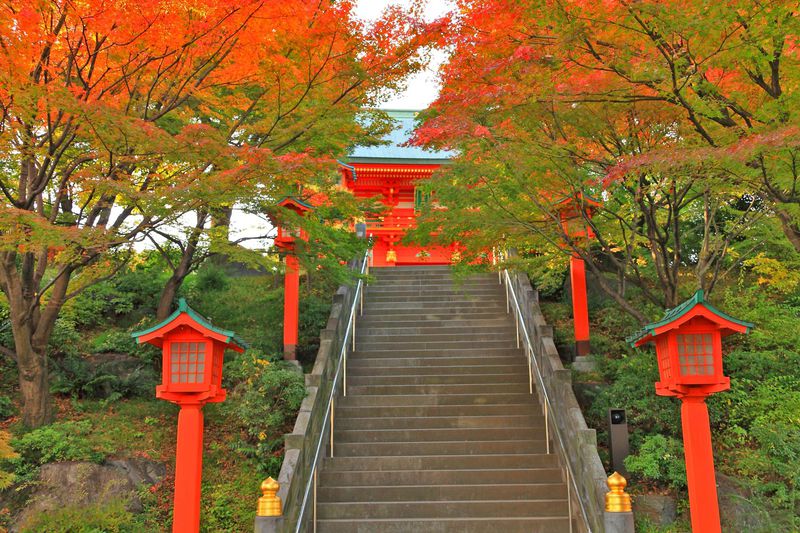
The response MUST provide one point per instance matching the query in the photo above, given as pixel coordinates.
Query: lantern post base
(700, 478)
(188, 469)
(582, 349)
(289, 352)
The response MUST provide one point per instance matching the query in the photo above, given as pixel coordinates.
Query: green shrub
(632, 388)
(660, 460)
(110, 518)
(61, 441)
(115, 341)
(211, 277)
(266, 405)
(6, 407)
(75, 376)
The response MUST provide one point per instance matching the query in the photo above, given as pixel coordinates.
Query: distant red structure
(574, 212)
(191, 375)
(286, 241)
(392, 173)
(689, 350)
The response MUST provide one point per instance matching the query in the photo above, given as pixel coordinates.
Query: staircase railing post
(546, 427)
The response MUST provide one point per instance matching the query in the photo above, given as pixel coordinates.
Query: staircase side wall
(579, 440)
(301, 443)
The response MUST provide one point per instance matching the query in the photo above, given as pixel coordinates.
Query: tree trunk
(34, 384)
(168, 294)
(32, 364)
(186, 265)
(791, 228)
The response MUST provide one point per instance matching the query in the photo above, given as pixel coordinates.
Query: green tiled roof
(395, 151)
(676, 312)
(183, 307)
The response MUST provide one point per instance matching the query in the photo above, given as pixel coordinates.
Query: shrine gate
(392, 172)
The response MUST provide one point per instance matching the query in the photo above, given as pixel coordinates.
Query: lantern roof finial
(194, 319)
(694, 306)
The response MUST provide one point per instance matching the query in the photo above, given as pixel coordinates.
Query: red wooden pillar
(700, 478)
(291, 307)
(580, 305)
(188, 469)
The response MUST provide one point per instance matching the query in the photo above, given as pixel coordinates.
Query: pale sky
(423, 87)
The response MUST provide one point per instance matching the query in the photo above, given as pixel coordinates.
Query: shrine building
(392, 173)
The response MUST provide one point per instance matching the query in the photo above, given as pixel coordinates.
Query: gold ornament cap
(617, 501)
(269, 504)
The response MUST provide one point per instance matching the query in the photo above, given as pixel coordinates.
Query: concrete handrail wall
(300, 444)
(579, 440)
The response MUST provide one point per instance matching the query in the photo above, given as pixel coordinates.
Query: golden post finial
(269, 504)
(616, 499)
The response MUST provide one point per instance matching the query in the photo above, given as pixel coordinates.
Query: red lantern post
(689, 350)
(573, 213)
(192, 354)
(286, 241)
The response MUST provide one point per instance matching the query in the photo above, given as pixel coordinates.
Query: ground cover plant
(103, 416)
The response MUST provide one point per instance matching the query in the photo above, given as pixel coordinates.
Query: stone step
(363, 360)
(438, 431)
(396, 287)
(439, 422)
(437, 434)
(439, 296)
(451, 509)
(443, 493)
(438, 340)
(441, 331)
(413, 323)
(441, 354)
(396, 478)
(428, 316)
(442, 462)
(345, 409)
(478, 378)
(475, 447)
(356, 368)
(435, 304)
(397, 400)
(446, 389)
(442, 525)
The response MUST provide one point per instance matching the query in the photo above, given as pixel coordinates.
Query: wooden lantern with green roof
(688, 343)
(689, 352)
(192, 351)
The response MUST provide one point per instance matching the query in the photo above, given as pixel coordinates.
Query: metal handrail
(329, 411)
(534, 363)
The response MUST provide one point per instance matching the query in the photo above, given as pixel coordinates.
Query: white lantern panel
(188, 361)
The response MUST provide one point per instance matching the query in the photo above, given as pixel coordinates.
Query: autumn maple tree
(120, 121)
(678, 116)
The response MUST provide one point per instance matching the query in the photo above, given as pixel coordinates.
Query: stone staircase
(438, 431)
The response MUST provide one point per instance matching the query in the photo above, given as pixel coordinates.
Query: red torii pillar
(580, 305)
(291, 307)
(574, 213)
(286, 241)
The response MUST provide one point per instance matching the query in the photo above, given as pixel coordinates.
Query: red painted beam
(580, 305)
(291, 307)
